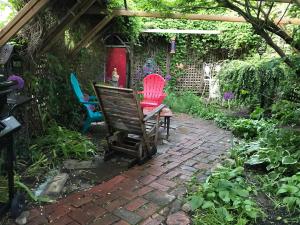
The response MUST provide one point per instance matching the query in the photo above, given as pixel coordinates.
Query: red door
(117, 58)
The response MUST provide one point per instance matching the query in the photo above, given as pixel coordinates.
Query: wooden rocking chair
(129, 130)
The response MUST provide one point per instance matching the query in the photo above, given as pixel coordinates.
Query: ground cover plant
(265, 157)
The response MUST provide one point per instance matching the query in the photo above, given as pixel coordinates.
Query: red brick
(62, 221)
(107, 219)
(159, 186)
(135, 204)
(156, 171)
(147, 210)
(111, 206)
(172, 174)
(166, 182)
(81, 217)
(121, 222)
(172, 165)
(144, 190)
(59, 212)
(73, 223)
(108, 185)
(129, 195)
(147, 179)
(153, 220)
(39, 220)
(82, 201)
(95, 210)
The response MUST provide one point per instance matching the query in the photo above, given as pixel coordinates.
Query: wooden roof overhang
(97, 7)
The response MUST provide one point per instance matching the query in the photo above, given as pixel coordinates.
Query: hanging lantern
(173, 45)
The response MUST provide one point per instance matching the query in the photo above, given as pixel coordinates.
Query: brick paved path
(150, 193)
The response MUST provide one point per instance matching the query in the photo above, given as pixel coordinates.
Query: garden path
(152, 193)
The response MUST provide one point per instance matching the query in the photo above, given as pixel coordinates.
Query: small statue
(115, 78)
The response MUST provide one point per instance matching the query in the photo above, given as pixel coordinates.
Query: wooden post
(23, 17)
(89, 36)
(73, 14)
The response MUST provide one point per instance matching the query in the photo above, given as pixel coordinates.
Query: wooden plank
(88, 37)
(176, 31)
(239, 19)
(22, 18)
(70, 18)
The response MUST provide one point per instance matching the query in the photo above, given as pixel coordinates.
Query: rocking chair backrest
(153, 86)
(121, 109)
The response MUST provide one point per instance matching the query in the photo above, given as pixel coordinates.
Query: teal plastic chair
(88, 105)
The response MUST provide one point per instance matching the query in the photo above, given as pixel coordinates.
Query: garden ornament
(149, 67)
(173, 45)
(115, 78)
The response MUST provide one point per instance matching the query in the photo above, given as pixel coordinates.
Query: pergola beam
(70, 18)
(91, 34)
(176, 31)
(121, 12)
(23, 17)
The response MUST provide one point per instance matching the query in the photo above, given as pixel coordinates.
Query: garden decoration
(89, 103)
(129, 131)
(153, 94)
(173, 45)
(149, 67)
(115, 78)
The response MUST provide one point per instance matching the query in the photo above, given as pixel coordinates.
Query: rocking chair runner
(88, 104)
(153, 91)
(129, 131)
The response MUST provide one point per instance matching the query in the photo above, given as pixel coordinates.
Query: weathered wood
(70, 18)
(126, 123)
(23, 17)
(121, 12)
(154, 112)
(88, 37)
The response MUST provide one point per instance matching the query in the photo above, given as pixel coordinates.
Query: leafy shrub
(253, 82)
(248, 128)
(286, 111)
(58, 144)
(225, 198)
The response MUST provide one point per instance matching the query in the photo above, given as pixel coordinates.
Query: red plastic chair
(153, 91)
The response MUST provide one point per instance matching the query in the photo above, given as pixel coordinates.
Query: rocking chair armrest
(153, 112)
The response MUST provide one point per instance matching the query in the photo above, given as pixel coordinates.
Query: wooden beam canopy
(70, 18)
(23, 17)
(176, 31)
(122, 12)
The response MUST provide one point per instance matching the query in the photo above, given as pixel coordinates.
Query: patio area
(152, 193)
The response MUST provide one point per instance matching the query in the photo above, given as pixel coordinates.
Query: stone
(22, 219)
(72, 164)
(176, 206)
(159, 197)
(179, 218)
(186, 208)
(130, 217)
(56, 185)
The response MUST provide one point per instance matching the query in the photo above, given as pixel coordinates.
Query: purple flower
(168, 77)
(18, 79)
(228, 95)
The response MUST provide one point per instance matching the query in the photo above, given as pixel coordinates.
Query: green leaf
(224, 195)
(242, 193)
(288, 160)
(196, 202)
(223, 213)
(255, 160)
(207, 204)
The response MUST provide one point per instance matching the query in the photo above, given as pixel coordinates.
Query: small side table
(166, 113)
